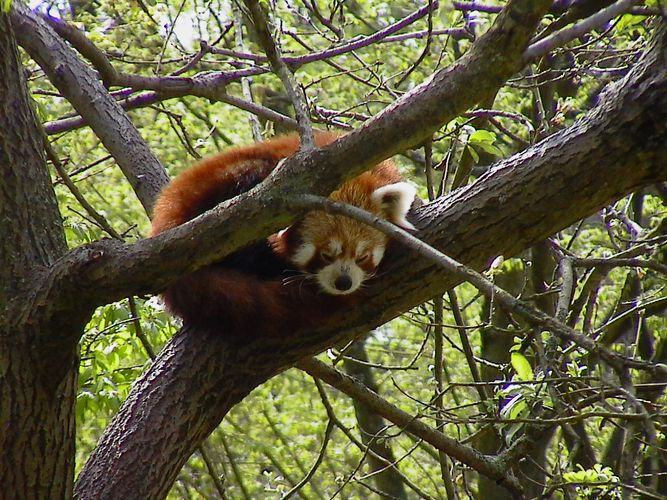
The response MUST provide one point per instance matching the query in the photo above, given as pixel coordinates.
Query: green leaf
(5, 6)
(521, 366)
(628, 20)
(518, 410)
(479, 136)
(489, 148)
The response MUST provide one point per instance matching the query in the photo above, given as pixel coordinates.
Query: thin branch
(465, 343)
(356, 44)
(245, 81)
(235, 469)
(655, 304)
(295, 93)
(90, 210)
(210, 466)
(566, 272)
(316, 464)
(148, 98)
(607, 263)
(565, 35)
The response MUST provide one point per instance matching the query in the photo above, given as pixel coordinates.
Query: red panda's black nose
(343, 283)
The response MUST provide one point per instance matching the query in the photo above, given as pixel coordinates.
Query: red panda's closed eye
(362, 259)
(327, 256)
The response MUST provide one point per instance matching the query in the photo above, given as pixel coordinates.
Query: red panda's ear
(393, 202)
(288, 244)
(280, 242)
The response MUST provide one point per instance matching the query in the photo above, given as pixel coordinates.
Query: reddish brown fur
(214, 179)
(244, 294)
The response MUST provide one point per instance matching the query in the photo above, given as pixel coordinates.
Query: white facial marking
(394, 201)
(304, 254)
(347, 271)
(335, 247)
(377, 254)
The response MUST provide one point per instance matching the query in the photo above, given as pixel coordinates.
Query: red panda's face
(340, 254)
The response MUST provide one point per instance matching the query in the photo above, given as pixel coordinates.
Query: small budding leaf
(521, 366)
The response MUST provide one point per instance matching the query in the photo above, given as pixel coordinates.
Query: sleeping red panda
(294, 277)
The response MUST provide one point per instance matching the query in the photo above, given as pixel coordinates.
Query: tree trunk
(37, 394)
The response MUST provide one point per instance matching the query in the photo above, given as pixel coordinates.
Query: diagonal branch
(559, 38)
(79, 84)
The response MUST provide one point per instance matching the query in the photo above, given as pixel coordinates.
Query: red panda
(294, 277)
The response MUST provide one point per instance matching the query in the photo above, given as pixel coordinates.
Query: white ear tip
(395, 194)
(395, 200)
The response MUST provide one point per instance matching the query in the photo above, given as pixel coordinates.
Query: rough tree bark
(616, 148)
(36, 410)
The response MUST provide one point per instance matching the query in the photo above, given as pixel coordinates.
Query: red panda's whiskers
(377, 274)
(297, 276)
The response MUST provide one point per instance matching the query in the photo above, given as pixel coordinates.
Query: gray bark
(36, 405)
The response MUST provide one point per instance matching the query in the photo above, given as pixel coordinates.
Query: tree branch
(79, 84)
(559, 38)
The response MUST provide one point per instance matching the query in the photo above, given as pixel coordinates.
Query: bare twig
(566, 272)
(295, 93)
(565, 35)
(245, 81)
(316, 464)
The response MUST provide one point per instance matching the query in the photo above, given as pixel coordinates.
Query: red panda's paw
(394, 202)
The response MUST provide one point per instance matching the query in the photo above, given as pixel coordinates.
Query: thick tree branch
(79, 84)
(30, 223)
(36, 409)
